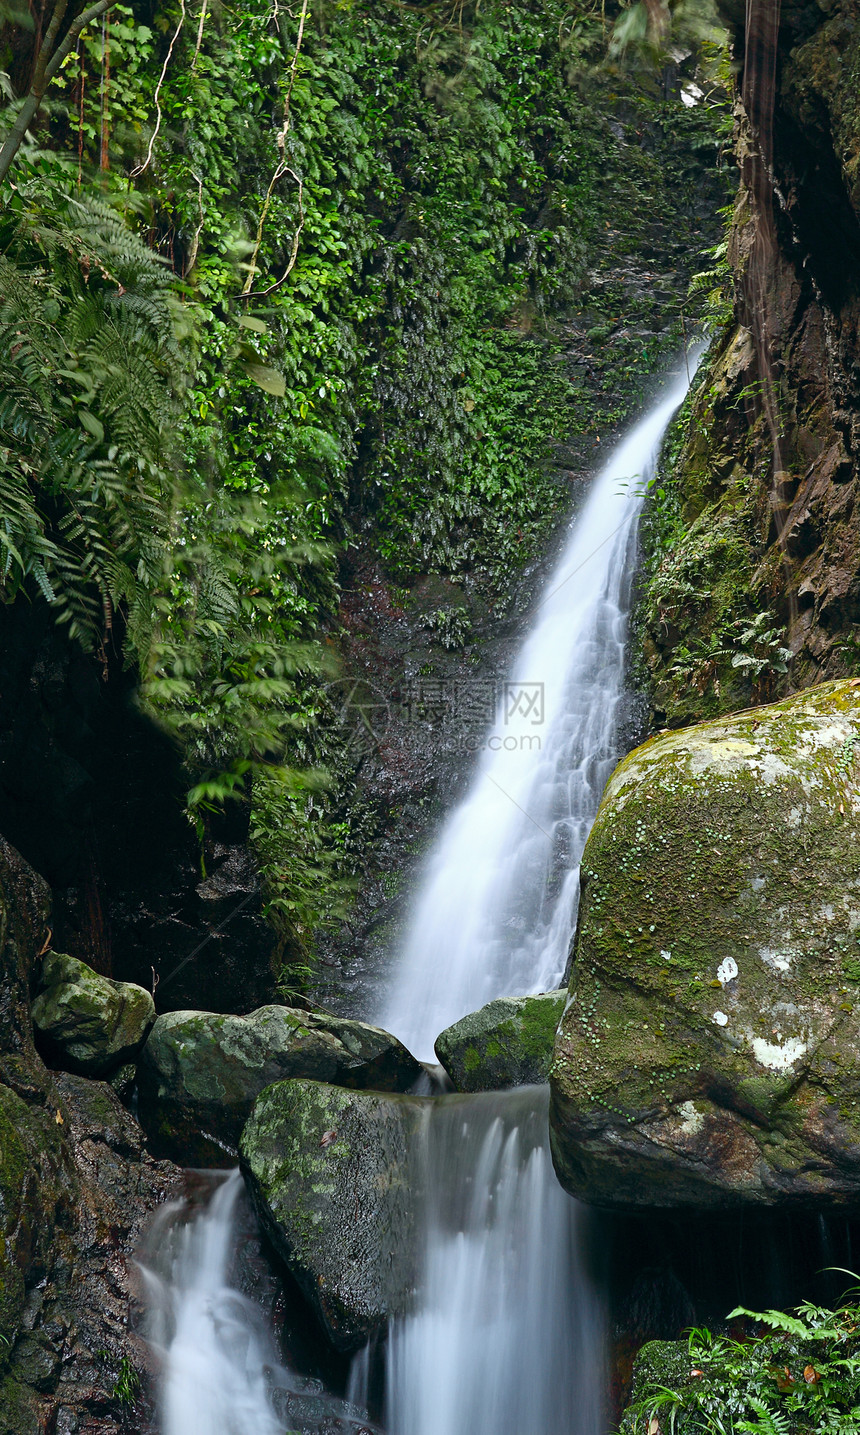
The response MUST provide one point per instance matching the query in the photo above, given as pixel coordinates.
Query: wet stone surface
(710, 1054)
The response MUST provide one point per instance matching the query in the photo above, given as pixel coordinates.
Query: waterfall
(215, 1356)
(496, 911)
(507, 1335)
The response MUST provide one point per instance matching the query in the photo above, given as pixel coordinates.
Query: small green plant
(759, 648)
(847, 754)
(451, 627)
(293, 981)
(127, 1383)
(801, 1375)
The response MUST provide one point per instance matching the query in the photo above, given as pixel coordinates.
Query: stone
(329, 1171)
(201, 1072)
(77, 1187)
(506, 1043)
(660, 1365)
(710, 1053)
(88, 1023)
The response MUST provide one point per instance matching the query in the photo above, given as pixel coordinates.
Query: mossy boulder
(201, 1072)
(88, 1023)
(660, 1365)
(710, 1053)
(330, 1173)
(506, 1043)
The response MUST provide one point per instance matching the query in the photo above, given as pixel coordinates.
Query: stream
(507, 1335)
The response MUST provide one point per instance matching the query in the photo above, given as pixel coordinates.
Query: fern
(776, 1319)
(769, 1422)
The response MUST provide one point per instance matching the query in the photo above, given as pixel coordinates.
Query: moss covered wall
(733, 539)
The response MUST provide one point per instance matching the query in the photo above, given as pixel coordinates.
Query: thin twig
(263, 293)
(146, 163)
(280, 170)
(195, 243)
(199, 35)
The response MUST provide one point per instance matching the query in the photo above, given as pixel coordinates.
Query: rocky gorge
(212, 987)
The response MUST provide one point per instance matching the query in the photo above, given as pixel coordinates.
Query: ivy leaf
(272, 380)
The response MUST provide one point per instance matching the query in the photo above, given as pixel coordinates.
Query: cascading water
(220, 1371)
(506, 1333)
(214, 1354)
(496, 911)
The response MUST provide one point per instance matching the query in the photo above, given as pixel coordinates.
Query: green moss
(506, 1043)
(731, 842)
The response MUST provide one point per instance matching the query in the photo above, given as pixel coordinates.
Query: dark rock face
(771, 506)
(200, 1072)
(710, 1053)
(91, 795)
(329, 1173)
(87, 1023)
(507, 1043)
(76, 1187)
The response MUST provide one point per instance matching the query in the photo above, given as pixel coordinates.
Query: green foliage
(99, 517)
(89, 393)
(451, 627)
(103, 89)
(448, 187)
(127, 1383)
(802, 1376)
(716, 283)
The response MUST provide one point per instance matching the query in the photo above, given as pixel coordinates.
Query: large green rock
(331, 1174)
(201, 1072)
(506, 1043)
(710, 1054)
(88, 1023)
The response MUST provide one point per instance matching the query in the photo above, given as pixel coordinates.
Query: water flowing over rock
(88, 1023)
(507, 1333)
(507, 1043)
(201, 1072)
(329, 1172)
(709, 1054)
(496, 910)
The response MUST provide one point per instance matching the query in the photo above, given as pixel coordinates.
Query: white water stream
(215, 1356)
(506, 1336)
(508, 1333)
(496, 911)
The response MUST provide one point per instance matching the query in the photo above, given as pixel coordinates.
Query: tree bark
(51, 56)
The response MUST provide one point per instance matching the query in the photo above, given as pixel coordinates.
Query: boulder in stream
(88, 1023)
(329, 1172)
(506, 1043)
(201, 1072)
(710, 1054)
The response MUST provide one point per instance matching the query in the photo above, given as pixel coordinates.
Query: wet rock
(201, 1072)
(329, 1173)
(710, 1055)
(88, 1023)
(659, 1366)
(76, 1188)
(508, 1042)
